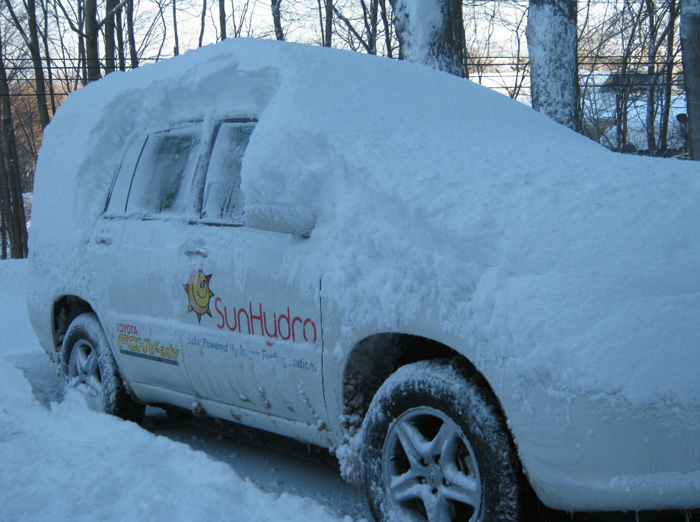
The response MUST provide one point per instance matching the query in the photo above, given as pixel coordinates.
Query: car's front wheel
(88, 366)
(436, 449)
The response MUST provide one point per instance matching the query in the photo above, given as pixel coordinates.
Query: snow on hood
(534, 245)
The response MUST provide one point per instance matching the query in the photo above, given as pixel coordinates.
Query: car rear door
(148, 204)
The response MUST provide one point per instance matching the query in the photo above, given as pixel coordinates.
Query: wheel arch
(373, 359)
(65, 310)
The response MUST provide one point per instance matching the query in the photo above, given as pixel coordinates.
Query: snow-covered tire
(89, 366)
(436, 448)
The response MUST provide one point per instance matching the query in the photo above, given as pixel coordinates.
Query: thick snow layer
(66, 462)
(431, 197)
(421, 19)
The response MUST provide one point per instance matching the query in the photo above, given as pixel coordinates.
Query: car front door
(249, 317)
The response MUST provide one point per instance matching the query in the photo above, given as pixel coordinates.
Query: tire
(436, 448)
(89, 366)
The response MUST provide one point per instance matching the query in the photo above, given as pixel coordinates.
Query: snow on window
(166, 167)
(223, 200)
(120, 189)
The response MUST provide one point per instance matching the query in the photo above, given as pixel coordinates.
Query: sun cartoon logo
(199, 294)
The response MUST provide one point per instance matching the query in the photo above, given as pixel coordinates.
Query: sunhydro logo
(249, 319)
(199, 294)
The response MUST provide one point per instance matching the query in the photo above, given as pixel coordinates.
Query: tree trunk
(690, 45)
(133, 55)
(110, 46)
(431, 33)
(10, 187)
(370, 15)
(82, 55)
(328, 40)
(176, 49)
(120, 40)
(668, 77)
(91, 34)
(201, 28)
(387, 29)
(3, 227)
(624, 89)
(222, 18)
(47, 57)
(552, 42)
(31, 40)
(651, 72)
(5, 207)
(34, 50)
(277, 19)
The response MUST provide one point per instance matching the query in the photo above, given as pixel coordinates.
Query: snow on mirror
(223, 200)
(165, 165)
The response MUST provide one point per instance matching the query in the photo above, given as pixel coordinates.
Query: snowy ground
(61, 461)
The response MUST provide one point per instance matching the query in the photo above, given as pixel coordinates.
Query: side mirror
(300, 228)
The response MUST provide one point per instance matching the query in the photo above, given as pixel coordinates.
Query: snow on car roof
(574, 266)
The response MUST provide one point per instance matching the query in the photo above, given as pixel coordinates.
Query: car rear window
(223, 200)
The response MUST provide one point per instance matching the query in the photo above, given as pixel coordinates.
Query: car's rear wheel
(436, 448)
(89, 367)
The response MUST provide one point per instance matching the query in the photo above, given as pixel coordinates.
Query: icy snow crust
(439, 209)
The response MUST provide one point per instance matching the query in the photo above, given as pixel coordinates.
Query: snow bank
(70, 463)
(550, 259)
(13, 282)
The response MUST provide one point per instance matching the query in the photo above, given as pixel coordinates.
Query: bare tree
(31, 40)
(431, 33)
(242, 20)
(552, 46)
(47, 55)
(277, 19)
(176, 47)
(668, 73)
(133, 54)
(203, 20)
(119, 27)
(327, 24)
(222, 18)
(11, 202)
(690, 43)
(91, 44)
(109, 29)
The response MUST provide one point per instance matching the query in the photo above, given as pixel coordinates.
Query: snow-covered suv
(429, 279)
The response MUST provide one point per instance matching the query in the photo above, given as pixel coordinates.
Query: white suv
(419, 274)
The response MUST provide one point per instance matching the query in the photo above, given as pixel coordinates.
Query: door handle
(104, 240)
(196, 252)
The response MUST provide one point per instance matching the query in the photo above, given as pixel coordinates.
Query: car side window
(223, 200)
(163, 176)
(120, 189)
